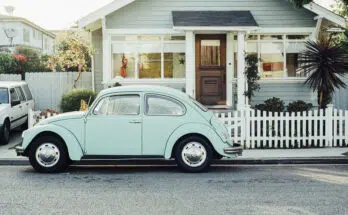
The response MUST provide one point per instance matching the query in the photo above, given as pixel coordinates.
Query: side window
(119, 105)
(20, 94)
(162, 105)
(13, 95)
(27, 92)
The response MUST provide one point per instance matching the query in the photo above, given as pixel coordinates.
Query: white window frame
(162, 42)
(284, 40)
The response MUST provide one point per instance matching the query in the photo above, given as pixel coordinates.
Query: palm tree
(324, 63)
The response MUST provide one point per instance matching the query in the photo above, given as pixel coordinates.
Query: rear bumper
(237, 150)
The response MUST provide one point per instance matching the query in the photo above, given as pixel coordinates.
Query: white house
(200, 46)
(18, 31)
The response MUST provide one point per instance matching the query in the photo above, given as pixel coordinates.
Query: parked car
(15, 101)
(131, 122)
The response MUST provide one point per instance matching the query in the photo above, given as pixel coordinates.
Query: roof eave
(327, 14)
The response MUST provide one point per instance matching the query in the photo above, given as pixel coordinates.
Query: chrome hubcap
(47, 154)
(194, 154)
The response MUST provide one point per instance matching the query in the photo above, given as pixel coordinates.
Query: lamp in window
(123, 69)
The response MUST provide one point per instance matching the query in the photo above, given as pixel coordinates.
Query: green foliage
(71, 101)
(252, 75)
(299, 106)
(324, 63)
(8, 63)
(300, 3)
(35, 61)
(273, 105)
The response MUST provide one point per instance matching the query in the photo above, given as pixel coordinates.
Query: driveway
(15, 139)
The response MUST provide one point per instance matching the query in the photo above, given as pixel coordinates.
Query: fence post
(246, 126)
(328, 125)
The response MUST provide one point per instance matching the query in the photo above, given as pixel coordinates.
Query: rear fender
(195, 128)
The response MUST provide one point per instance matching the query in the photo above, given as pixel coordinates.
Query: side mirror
(14, 103)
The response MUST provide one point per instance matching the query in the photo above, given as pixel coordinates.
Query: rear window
(27, 92)
(3, 96)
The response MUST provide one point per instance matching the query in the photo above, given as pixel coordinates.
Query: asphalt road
(267, 190)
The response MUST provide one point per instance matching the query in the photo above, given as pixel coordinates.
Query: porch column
(106, 54)
(190, 64)
(240, 71)
(229, 68)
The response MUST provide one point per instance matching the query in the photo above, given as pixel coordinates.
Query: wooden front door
(211, 69)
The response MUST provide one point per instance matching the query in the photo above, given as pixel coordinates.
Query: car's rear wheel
(5, 133)
(48, 154)
(193, 154)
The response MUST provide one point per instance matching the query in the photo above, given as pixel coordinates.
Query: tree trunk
(321, 99)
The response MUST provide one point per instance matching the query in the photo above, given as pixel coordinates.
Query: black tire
(63, 160)
(201, 143)
(5, 133)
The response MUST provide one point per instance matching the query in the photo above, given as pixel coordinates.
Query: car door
(163, 114)
(114, 127)
(16, 112)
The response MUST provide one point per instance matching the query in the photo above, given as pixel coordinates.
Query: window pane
(160, 105)
(14, 96)
(3, 96)
(150, 65)
(210, 52)
(119, 105)
(27, 92)
(149, 38)
(271, 37)
(292, 53)
(272, 60)
(174, 65)
(20, 94)
(297, 37)
(174, 37)
(252, 37)
(123, 65)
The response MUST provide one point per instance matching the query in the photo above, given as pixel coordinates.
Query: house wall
(157, 13)
(288, 92)
(97, 43)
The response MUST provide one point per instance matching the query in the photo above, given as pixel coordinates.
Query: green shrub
(8, 63)
(71, 101)
(273, 105)
(299, 106)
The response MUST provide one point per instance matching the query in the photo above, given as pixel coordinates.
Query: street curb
(244, 161)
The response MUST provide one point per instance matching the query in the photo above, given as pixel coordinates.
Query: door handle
(136, 121)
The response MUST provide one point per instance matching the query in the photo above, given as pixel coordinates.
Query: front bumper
(237, 150)
(20, 151)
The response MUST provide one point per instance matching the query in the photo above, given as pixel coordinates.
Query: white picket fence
(10, 77)
(256, 129)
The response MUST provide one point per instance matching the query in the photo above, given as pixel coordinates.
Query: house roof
(118, 4)
(6, 18)
(213, 18)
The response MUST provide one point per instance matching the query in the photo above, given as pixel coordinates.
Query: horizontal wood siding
(287, 92)
(157, 13)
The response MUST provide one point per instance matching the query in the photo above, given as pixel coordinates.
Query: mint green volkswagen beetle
(131, 122)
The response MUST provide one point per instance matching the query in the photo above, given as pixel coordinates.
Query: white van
(15, 101)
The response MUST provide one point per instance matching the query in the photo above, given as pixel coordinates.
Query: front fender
(74, 147)
(195, 128)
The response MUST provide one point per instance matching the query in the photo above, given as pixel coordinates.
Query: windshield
(3, 96)
(202, 107)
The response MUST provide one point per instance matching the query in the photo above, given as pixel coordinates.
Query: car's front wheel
(193, 154)
(48, 154)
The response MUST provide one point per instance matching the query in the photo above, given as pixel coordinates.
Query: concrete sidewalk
(255, 156)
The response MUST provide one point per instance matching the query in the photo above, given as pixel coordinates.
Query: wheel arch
(73, 146)
(193, 129)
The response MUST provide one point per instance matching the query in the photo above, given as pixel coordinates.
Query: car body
(131, 122)
(15, 102)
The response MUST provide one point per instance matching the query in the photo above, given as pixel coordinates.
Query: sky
(61, 14)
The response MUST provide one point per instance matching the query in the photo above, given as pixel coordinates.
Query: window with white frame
(277, 54)
(26, 35)
(148, 57)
